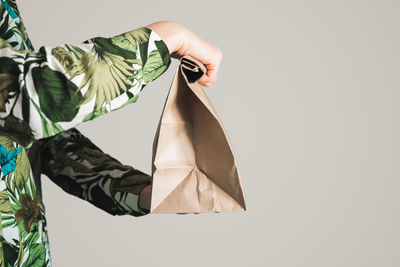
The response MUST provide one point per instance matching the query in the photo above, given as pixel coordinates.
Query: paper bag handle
(191, 68)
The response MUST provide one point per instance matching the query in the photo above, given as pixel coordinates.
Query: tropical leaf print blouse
(44, 94)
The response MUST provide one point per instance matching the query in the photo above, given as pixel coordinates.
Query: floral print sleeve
(44, 94)
(82, 169)
(57, 88)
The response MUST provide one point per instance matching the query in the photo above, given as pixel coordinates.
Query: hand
(181, 41)
(145, 198)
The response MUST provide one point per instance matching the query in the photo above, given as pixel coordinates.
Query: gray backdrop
(308, 92)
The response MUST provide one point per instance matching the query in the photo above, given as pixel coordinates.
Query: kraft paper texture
(194, 169)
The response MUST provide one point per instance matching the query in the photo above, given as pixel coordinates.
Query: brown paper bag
(194, 169)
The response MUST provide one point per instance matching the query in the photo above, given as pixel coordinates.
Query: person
(45, 94)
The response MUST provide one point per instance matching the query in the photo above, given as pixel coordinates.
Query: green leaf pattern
(23, 223)
(61, 87)
(44, 94)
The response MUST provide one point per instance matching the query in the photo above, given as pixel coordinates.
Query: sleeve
(57, 88)
(82, 169)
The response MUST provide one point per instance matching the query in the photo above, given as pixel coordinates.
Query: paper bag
(194, 169)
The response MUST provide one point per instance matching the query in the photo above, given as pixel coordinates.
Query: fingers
(212, 69)
(182, 41)
(210, 77)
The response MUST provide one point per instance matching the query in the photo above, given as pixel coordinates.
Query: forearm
(82, 169)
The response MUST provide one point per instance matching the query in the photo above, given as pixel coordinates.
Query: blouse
(44, 94)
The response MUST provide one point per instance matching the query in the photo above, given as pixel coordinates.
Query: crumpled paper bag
(193, 169)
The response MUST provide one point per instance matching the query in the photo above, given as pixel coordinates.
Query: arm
(55, 89)
(82, 169)
(45, 92)
(121, 196)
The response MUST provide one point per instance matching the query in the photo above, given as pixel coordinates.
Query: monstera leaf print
(6, 79)
(130, 41)
(9, 86)
(5, 206)
(106, 73)
(58, 96)
(124, 43)
(10, 251)
(138, 36)
(5, 31)
(36, 256)
(21, 174)
(154, 66)
(47, 91)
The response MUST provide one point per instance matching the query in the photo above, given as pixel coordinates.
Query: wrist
(173, 35)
